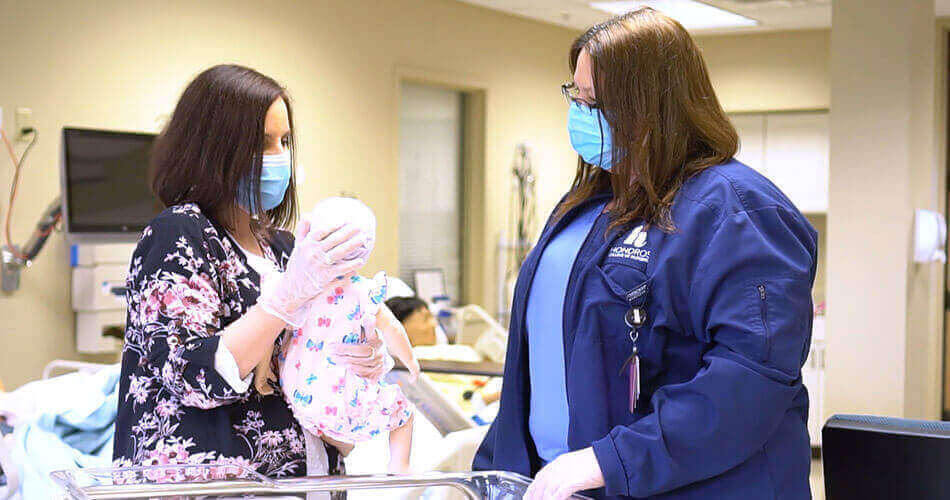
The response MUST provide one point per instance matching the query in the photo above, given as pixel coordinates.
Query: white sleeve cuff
(226, 366)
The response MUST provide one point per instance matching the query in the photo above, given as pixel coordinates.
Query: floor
(817, 480)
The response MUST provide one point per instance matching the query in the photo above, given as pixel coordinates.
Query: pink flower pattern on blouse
(186, 283)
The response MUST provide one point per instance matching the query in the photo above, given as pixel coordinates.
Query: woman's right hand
(317, 259)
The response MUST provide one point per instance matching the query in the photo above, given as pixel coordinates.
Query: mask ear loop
(600, 126)
(256, 188)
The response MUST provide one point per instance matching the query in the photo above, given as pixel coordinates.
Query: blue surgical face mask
(275, 177)
(590, 135)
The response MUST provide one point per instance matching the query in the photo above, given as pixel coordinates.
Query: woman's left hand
(566, 475)
(367, 359)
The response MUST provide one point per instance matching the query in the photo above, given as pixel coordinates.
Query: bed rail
(66, 365)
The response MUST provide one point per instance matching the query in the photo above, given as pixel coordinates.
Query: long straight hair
(652, 85)
(212, 149)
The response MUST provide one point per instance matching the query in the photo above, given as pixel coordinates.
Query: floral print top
(188, 281)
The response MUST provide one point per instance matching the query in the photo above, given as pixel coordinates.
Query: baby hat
(334, 212)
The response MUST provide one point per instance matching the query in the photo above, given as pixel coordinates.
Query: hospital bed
(25, 408)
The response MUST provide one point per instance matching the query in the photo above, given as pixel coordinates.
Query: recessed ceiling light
(690, 13)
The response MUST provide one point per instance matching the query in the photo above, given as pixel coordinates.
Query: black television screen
(105, 182)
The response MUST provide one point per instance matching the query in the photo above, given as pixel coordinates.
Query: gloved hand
(567, 474)
(316, 261)
(369, 359)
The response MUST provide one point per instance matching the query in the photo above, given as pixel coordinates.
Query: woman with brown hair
(660, 324)
(215, 280)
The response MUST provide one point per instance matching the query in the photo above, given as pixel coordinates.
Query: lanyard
(634, 319)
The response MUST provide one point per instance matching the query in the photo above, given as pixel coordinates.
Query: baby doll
(327, 399)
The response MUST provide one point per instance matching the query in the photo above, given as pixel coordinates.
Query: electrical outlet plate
(22, 119)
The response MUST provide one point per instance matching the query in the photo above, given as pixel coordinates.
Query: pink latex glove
(317, 260)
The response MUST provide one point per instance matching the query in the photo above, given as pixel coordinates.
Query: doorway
(431, 184)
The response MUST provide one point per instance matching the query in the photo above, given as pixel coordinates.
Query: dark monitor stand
(868, 457)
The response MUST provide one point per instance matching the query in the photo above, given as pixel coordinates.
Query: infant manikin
(326, 398)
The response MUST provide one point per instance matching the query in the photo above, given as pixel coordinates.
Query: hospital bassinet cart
(139, 482)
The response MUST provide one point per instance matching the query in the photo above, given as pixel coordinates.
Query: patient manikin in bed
(327, 399)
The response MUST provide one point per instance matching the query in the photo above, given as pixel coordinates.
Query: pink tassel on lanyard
(633, 376)
(634, 319)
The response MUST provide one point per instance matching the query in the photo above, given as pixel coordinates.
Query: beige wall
(122, 65)
(770, 72)
(820, 222)
(887, 121)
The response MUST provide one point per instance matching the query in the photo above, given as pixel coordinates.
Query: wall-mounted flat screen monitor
(106, 196)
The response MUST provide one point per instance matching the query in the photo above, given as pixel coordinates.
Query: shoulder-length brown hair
(651, 84)
(212, 147)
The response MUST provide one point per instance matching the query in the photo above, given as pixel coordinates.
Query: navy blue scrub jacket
(723, 411)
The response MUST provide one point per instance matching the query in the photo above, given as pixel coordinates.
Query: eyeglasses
(573, 95)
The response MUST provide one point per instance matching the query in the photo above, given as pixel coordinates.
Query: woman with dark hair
(214, 282)
(660, 324)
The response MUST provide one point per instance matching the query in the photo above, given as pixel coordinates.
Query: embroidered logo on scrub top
(632, 246)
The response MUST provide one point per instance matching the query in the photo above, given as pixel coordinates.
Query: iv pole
(513, 248)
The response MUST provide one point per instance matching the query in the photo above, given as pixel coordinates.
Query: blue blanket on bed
(77, 437)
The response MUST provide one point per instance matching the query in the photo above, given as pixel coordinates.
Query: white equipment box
(98, 295)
